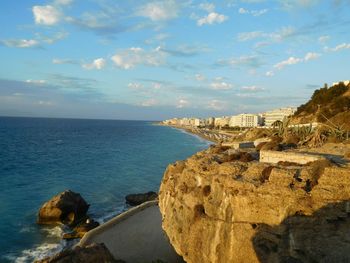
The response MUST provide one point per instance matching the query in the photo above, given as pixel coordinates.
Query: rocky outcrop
(81, 229)
(216, 209)
(67, 207)
(137, 199)
(90, 254)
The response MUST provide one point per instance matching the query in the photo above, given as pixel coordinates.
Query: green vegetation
(326, 103)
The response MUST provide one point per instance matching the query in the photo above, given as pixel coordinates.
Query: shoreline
(214, 136)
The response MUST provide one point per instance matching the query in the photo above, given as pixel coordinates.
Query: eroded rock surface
(67, 207)
(216, 209)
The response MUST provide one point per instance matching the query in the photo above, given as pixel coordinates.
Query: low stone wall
(135, 236)
(293, 157)
(239, 145)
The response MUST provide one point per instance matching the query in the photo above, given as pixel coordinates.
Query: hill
(327, 105)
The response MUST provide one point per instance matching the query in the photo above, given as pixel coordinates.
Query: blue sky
(160, 59)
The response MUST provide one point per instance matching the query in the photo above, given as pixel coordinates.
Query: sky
(154, 60)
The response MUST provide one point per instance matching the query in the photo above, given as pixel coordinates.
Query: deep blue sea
(103, 160)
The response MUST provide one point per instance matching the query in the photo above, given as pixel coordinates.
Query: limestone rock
(90, 254)
(137, 199)
(67, 207)
(233, 211)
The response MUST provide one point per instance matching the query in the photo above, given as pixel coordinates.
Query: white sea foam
(39, 252)
(56, 231)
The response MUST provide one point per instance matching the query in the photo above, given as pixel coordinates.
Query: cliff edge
(219, 208)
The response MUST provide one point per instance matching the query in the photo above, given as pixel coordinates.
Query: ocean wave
(56, 231)
(38, 252)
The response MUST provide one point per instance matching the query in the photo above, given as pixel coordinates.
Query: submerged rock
(81, 229)
(67, 208)
(137, 199)
(234, 211)
(90, 254)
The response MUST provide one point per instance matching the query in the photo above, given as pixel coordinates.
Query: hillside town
(244, 120)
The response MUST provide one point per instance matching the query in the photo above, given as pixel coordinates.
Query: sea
(103, 160)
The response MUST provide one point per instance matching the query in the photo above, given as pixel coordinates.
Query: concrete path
(135, 236)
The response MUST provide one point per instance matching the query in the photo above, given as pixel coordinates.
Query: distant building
(209, 121)
(222, 121)
(245, 120)
(278, 115)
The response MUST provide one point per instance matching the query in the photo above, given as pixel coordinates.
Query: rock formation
(67, 208)
(89, 254)
(137, 199)
(216, 209)
(82, 228)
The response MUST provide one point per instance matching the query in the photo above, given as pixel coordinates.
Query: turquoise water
(103, 160)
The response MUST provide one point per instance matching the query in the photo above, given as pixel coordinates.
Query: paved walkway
(135, 236)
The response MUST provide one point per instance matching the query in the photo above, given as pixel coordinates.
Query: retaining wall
(293, 157)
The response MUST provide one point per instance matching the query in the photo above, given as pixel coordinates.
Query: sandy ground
(135, 236)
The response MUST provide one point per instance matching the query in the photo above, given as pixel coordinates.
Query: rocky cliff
(217, 208)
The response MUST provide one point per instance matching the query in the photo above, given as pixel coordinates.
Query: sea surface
(103, 160)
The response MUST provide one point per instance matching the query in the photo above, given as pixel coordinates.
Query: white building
(245, 120)
(278, 115)
(222, 121)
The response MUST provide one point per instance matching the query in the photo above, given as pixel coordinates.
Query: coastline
(106, 199)
(214, 136)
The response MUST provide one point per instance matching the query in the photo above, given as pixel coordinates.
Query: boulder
(89, 254)
(137, 199)
(67, 208)
(82, 228)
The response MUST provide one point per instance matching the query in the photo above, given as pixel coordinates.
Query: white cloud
(277, 36)
(216, 105)
(293, 60)
(212, 18)
(252, 88)
(182, 103)
(46, 15)
(244, 11)
(159, 10)
(135, 85)
(33, 81)
(289, 61)
(20, 43)
(323, 39)
(149, 103)
(252, 61)
(130, 58)
(98, 64)
(52, 39)
(156, 85)
(59, 61)
(209, 7)
(311, 56)
(245, 36)
(339, 47)
(221, 85)
(44, 103)
(269, 74)
(200, 77)
(63, 2)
